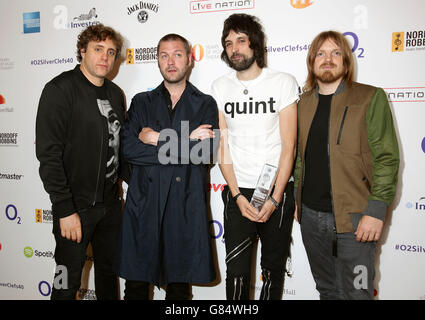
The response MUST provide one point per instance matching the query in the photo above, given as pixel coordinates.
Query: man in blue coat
(169, 138)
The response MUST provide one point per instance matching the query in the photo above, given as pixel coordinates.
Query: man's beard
(329, 77)
(242, 65)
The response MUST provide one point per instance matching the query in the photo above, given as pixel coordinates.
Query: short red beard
(328, 77)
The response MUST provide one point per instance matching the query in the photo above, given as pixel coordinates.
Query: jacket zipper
(342, 125)
(334, 236)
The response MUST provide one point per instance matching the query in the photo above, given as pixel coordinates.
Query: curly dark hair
(98, 32)
(251, 26)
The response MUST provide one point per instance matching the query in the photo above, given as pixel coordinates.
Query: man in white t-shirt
(258, 121)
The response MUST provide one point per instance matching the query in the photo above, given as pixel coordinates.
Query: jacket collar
(338, 90)
(190, 89)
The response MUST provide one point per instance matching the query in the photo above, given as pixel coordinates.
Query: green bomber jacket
(363, 152)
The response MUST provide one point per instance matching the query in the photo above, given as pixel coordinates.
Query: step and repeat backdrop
(38, 41)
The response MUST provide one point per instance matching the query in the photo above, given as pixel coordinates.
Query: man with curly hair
(78, 123)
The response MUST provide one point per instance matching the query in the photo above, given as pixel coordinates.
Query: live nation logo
(206, 6)
(406, 94)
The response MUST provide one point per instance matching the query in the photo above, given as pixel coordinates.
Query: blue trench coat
(165, 232)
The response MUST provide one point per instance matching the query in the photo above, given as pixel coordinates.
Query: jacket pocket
(342, 125)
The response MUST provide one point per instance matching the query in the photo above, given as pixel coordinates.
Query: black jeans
(347, 275)
(100, 226)
(139, 290)
(240, 234)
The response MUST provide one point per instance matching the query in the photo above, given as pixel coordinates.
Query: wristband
(274, 202)
(237, 196)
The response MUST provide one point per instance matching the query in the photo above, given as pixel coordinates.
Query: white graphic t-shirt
(253, 119)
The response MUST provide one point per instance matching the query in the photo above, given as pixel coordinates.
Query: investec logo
(82, 20)
(408, 41)
(301, 4)
(418, 205)
(43, 216)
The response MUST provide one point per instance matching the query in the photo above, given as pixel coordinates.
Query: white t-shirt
(253, 119)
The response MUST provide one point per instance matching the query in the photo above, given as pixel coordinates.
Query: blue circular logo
(44, 288)
(409, 205)
(423, 145)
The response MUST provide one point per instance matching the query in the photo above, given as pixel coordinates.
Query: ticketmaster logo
(10, 176)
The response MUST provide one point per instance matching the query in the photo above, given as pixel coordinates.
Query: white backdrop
(38, 41)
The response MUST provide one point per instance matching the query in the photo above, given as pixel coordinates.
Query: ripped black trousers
(240, 235)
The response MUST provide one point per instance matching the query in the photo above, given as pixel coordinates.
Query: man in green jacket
(346, 170)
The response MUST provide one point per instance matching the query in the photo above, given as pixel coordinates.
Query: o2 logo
(355, 44)
(423, 145)
(220, 230)
(44, 288)
(12, 213)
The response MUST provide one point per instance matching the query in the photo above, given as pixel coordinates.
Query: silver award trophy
(264, 186)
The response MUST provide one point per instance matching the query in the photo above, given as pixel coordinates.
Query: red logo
(217, 187)
(2, 99)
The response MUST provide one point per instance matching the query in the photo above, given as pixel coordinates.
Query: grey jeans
(341, 272)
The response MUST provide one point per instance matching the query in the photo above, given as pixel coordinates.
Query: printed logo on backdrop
(142, 10)
(31, 22)
(11, 176)
(207, 51)
(43, 216)
(81, 20)
(217, 230)
(408, 41)
(51, 61)
(285, 48)
(207, 6)
(423, 145)
(6, 64)
(141, 55)
(8, 139)
(415, 248)
(11, 285)
(358, 51)
(44, 288)
(30, 252)
(406, 94)
(12, 215)
(418, 206)
(301, 4)
(3, 106)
